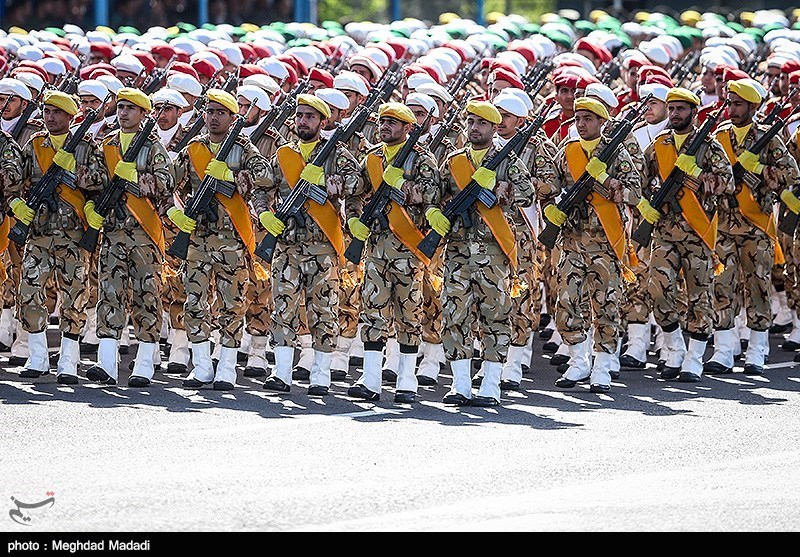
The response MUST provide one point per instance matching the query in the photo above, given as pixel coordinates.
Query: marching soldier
(20, 97)
(747, 241)
(479, 260)
(132, 246)
(594, 245)
(52, 245)
(308, 256)
(10, 174)
(684, 241)
(169, 103)
(220, 249)
(391, 293)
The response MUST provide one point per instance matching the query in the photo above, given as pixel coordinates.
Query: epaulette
(374, 148)
(762, 127)
(35, 122)
(40, 133)
(724, 126)
(666, 131)
(638, 125)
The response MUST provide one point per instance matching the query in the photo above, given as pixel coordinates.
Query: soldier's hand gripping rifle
(461, 205)
(201, 201)
(667, 194)
(113, 195)
(46, 189)
(375, 209)
(279, 113)
(586, 184)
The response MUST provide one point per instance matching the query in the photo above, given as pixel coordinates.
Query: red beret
(183, 67)
(146, 59)
(3, 63)
(657, 78)
(647, 70)
(324, 76)
(98, 72)
(526, 51)
(203, 67)
(327, 48)
(246, 70)
(598, 51)
(431, 71)
(261, 51)
(102, 49)
(298, 65)
(399, 48)
(292, 79)
(794, 77)
(183, 56)
(789, 66)
(163, 50)
(635, 62)
(462, 54)
(248, 54)
(62, 43)
(494, 63)
(223, 58)
(511, 77)
(720, 69)
(86, 70)
(732, 74)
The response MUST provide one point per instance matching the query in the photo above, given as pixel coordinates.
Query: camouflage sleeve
(651, 178)
(92, 175)
(717, 175)
(559, 178)
(348, 182)
(28, 160)
(255, 173)
(780, 168)
(626, 182)
(183, 169)
(544, 170)
(520, 182)
(449, 188)
(160, 167)
(10, 170)
(636, 154)
(423, 189)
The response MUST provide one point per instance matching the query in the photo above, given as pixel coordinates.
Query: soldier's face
(14, 108)
(218, 118)
(497, 86)
(363, 71)
(168, 117)
(565, 96)
(420, 114)
(740, 111)
(480, 131)
(681, 115)
(307, 122)
(656, 111)
(249, 111)
(392, 131)
(588, 124)
(89, 102)
(508, 125)
(783, 83)
(336, 116)
(56, 120)
(129, 115)
(708, 81)
(355, 100)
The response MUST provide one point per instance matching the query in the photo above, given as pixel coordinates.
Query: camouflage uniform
(10, 173)
(305, 267)
(477, 279)
(52, 250)
(589, 270)
(217, 263)
(747, 252)
(676, 248)
(391, 292)
(131, 264)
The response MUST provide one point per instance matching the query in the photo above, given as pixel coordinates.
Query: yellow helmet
(690, 17)
(250, 27)
(447, 17)
(105, 29)
(494, 17)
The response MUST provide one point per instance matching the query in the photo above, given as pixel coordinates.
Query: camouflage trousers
(12, 261)
(257, 318)
(56, 256)
(550, 277)
(791, 280)
(476, 289)
(216, 265)
(129, 274)
(524, 314)
(674, 251)
(432, 300)
(590, 294)
(173, 296)
(94, 280)
(635, 303)
(391, 294)
(350, 301)
(748, 261)
(309, 273)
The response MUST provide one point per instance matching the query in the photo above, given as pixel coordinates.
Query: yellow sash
(692, 211)
(461, 168)
(140, 207)
(44, 157)
(326, 217)
(399, 220)
(235, 206)
(748, 206)
(607, 212)
(4, 229)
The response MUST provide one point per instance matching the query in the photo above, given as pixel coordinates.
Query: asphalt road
(650, 456)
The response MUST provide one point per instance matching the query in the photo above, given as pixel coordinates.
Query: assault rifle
(46, 189)
(200, 202)
(586, 184)
(156, 80)
(685, 67)
(375, 208)
(229, 85)
(26, 115)
(464, 76)
(113, 195)
(667, 194)
(279, 113)
(461, 205)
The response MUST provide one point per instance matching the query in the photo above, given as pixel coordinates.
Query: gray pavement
(719, 455)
